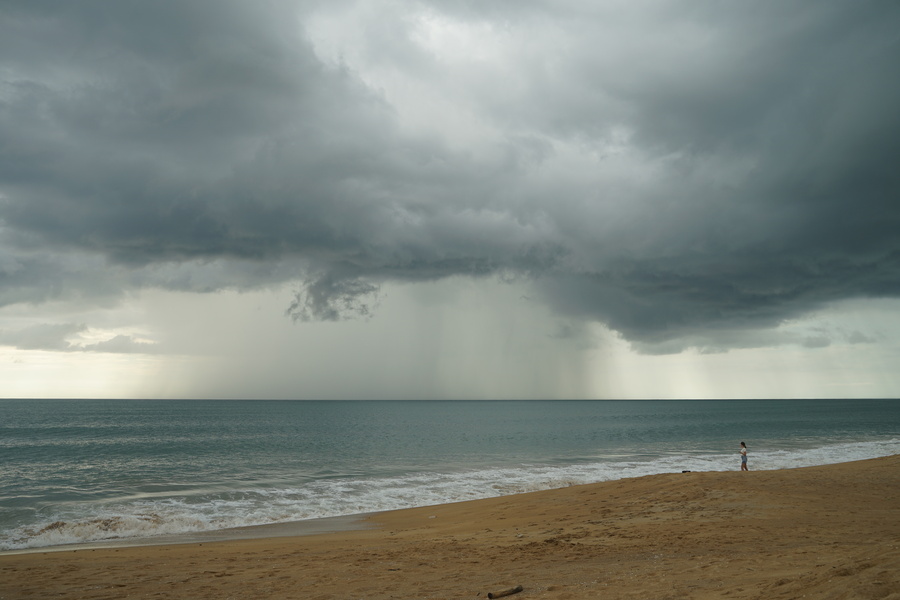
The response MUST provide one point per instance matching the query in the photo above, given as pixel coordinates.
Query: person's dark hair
(743, 444)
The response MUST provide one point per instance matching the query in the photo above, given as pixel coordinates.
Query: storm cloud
(685, 173)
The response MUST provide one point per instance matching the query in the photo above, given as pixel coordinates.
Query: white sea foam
(153, 516)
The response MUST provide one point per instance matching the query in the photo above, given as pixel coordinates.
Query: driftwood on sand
(510, 591)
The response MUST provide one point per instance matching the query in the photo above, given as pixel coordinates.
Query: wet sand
(820, 532)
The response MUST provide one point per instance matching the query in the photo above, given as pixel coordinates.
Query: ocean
(78, 471)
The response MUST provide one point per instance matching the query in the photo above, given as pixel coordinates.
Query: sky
(449, 199)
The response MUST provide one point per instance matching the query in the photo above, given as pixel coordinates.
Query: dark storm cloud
(735, 161)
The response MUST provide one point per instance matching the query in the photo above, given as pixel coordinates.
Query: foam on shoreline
(152, 520)
(252, 532)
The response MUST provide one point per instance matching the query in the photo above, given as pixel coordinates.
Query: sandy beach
(819, 532)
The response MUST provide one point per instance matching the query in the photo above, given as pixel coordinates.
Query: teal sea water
(75, 471)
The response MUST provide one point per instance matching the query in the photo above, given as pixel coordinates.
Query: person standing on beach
(744, 457)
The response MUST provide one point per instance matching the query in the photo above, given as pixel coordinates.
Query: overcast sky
(449, 199)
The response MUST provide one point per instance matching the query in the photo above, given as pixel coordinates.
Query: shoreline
(774, 534)
(323, 525)
(320, 525)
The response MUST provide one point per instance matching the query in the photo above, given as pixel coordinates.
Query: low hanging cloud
(63, 337)
(45, 336)
(677, 171)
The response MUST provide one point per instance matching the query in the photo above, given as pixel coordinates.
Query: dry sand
(821, 532)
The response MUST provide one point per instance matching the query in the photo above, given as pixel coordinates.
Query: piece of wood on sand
(500, 594)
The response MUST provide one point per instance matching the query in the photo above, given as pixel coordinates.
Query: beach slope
(820, 532)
